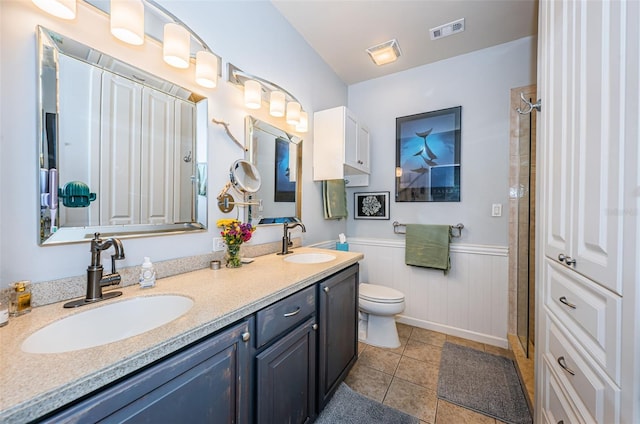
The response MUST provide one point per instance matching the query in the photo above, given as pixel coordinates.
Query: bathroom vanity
(268, 342)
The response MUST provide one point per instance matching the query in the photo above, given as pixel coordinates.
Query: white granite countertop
(32, 385)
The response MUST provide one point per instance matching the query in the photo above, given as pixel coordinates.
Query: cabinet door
(158, 157)
(580, 80)
(286, 378)
(350, 139)
(363, 149)
(338, 325)
(208, 382)
(120, 151)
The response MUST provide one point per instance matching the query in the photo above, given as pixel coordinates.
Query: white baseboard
(453, 331)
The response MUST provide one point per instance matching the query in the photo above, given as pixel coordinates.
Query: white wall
(472, 300)
(251, 35)
(480, 83)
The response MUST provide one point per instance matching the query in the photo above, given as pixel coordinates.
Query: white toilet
(378, 307)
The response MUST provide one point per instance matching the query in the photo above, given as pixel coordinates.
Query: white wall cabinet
(340, 147)
(589, 231)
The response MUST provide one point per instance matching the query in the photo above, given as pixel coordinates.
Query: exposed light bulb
(206, 69)
(176, 45)
(127, 21)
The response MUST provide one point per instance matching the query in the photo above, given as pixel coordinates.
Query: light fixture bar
(238, 77)
(165, 16)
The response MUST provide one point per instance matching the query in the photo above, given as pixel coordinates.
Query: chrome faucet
(95, 278)
(286, 238)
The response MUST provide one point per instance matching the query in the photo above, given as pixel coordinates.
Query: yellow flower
(224, 222)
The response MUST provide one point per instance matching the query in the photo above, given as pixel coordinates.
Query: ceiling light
(252, 94)
(127, 21)
(385, 53)
(63, 9)
(293, 113)
(206, 69)
(176, 45)
(276, 103)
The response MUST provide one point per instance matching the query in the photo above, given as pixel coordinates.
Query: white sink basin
(106, 324)
(310, 258)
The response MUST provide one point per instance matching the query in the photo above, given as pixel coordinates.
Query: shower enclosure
(522, 223)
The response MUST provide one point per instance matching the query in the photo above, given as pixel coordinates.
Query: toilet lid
(380, 294)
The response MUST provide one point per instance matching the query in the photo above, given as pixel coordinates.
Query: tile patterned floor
(406, 378)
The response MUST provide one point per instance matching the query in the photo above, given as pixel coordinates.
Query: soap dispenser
(147, 274)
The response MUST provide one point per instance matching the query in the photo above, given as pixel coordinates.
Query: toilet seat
(380, 294)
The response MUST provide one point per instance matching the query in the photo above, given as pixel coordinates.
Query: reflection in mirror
(245, 178)
(122, 152)
(278, 157)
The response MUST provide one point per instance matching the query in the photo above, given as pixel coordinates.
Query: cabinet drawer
(593, 393)
(283, 315)
(556, 408)
(589, 312)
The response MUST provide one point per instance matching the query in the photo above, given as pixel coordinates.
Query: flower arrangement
(234, 233)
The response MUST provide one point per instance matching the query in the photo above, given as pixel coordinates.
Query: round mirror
(245, 177)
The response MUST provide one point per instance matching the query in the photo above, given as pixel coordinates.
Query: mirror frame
(46, 40)
(252, 124)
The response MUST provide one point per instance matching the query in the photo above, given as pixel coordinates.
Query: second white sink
(310, 258)
(106, 324)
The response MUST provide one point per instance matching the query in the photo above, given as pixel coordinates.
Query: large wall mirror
(122, 152)
(278, 157)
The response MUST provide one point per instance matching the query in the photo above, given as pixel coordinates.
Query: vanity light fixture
(293, 113)
(277, 101)
(128, 24)
(127, 21)
(252, 94)
(176, 45)
(63, 9)
(268, 92)
(384, 53)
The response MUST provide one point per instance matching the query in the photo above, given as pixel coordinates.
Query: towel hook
(537, 106)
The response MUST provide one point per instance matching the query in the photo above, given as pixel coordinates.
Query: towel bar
(454, 230)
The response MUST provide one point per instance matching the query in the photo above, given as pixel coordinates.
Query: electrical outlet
(496, 209)
(218, 244)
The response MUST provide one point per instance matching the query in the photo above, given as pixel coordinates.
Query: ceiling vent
(447, 29)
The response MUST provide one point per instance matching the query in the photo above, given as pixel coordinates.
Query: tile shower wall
(471, 301)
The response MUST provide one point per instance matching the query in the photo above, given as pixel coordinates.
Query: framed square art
(371, 205)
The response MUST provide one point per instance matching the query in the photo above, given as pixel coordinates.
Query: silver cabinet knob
(246, 336)
(570, 261)
(326, 289)
(314, 326)
(561, 257)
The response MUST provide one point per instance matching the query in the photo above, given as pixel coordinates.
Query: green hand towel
(428, 246)
(334, 196)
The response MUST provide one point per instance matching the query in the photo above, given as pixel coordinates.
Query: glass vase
(233, 256)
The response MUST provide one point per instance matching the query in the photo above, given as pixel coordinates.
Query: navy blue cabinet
(286, 377)
(303, 348)
(205, 383)
(338, 330)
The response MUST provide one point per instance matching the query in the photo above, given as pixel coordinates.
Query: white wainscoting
(471, 301)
